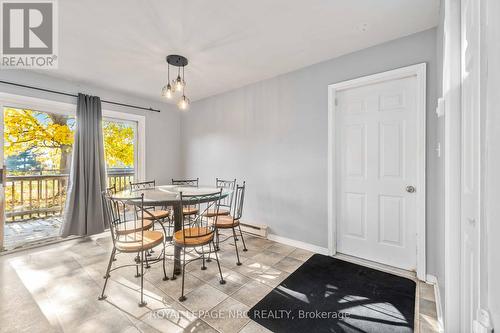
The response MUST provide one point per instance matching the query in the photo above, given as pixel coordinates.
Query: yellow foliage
(48, 136)
(118, 144)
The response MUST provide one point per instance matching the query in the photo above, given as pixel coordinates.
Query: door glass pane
(120, 151)
(37, 154)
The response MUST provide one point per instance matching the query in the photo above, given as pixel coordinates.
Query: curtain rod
(73, 95)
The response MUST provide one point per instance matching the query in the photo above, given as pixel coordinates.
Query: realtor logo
(29, 34)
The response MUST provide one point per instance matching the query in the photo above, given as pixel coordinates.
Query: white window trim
(20, 101)
(419, 71)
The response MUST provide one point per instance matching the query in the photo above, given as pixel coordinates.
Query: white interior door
(376, 195)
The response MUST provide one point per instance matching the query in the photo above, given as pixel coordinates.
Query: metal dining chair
(156, 214)
(188, 211)
(131, 236)
(227, 202)
(199, 234)
(232, 221)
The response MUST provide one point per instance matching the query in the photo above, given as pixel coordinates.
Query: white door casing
(471, 162)
(377, 150)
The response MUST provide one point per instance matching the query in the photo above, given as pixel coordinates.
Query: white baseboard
(431, 279)
(298, 244)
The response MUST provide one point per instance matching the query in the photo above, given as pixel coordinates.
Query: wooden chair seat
(195, 236)
(130, 227)
(189, 210)
(156, 214)
(213, 212)
(226, 222)
(132, 242)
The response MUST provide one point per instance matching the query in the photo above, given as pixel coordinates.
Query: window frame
(69, 109)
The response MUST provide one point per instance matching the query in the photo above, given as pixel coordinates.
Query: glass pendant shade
(183, 103)
(178, 83)
(167, 91)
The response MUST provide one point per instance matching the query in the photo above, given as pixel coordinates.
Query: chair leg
(209, 252)
(222, 281)
(147, 263)
(216, 245)
(137, 260)
(236, 246)
(111, 257)
(183, 298)
(243, 239)
(165, 278)
(142, 303)
(203, 267)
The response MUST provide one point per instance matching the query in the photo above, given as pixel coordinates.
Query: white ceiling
(122, 44)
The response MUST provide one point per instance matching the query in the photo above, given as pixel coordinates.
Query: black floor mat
(331, 295)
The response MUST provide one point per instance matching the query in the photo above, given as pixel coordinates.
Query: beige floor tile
(209, 273)
(272, 277)
(251, 268)
(199, 326)
(251, 293)
(234, 281)
(258, 243)
(253, 327)
(173, 288)
(281, 249)
(268, 258)
(300, 254)
(231, 316)
(203, 298)
(110, 321)
(288, 264)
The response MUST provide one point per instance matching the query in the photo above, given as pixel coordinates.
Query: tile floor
(55, 289)
(28, 232)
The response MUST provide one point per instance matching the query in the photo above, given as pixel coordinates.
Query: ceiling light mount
(177, 60)
(179, 84)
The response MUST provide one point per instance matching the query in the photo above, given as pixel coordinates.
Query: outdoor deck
(35, 203)
(28, 232)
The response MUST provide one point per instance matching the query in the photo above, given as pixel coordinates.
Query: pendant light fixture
(177, 85)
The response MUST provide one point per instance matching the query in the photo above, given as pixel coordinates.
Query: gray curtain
(84, 211)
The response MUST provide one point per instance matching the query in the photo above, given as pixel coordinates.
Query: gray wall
(273, 134)
(162, 129)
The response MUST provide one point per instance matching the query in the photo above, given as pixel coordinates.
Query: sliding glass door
(36, 150)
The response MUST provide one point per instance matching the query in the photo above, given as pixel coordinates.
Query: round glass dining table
(170, 195)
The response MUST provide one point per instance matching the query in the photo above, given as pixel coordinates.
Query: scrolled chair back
(124, 230)
(138, 186)
(201, 225)
(238, 202)
(186, 182)
(226, 184)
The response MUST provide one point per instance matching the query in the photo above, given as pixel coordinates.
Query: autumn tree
(118, 144)
(50, 138)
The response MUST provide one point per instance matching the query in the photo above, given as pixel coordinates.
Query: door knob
(410, 189)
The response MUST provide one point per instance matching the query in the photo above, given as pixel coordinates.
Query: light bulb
(167, 91)
(178, 83)
(183, 103)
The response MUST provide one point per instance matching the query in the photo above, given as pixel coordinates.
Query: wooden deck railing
(37, 196)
